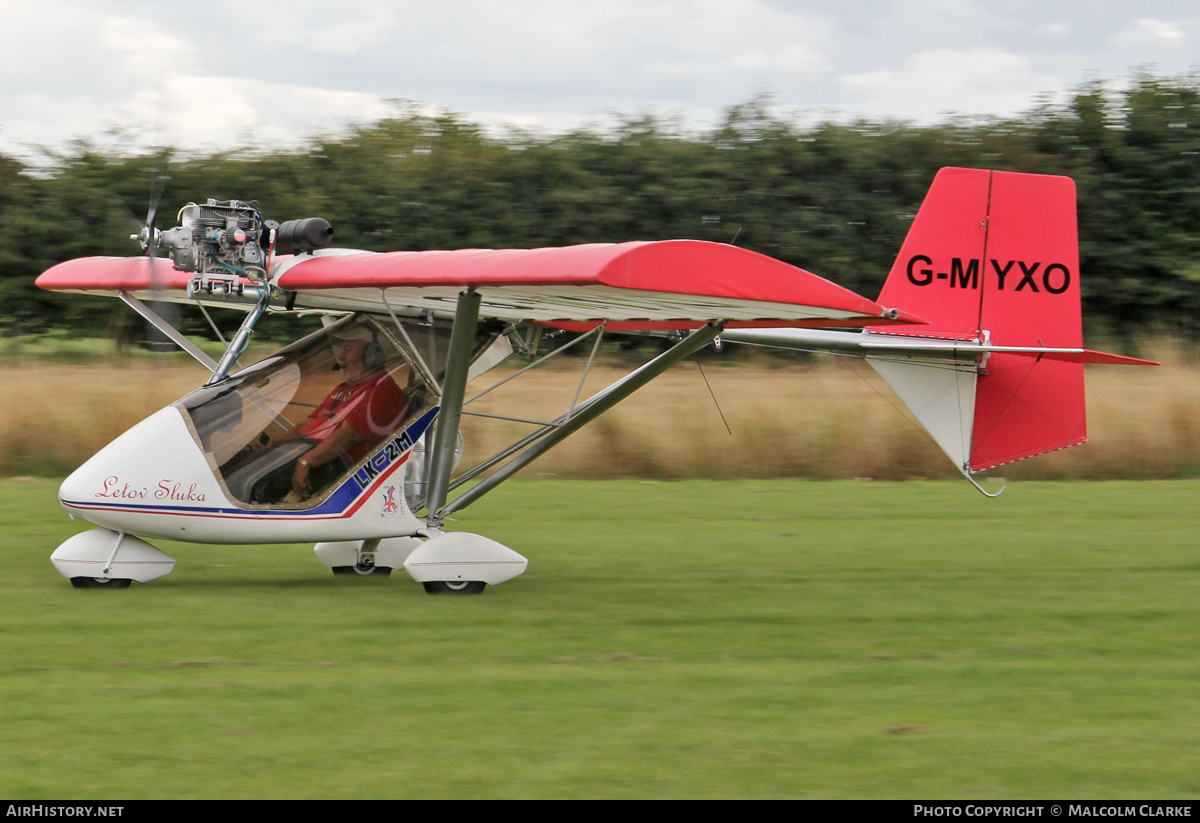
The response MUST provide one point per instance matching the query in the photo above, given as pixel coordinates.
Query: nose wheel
(103, 559)
(100, 582)
(454, 586)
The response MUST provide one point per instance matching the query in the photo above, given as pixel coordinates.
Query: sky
(221, 75)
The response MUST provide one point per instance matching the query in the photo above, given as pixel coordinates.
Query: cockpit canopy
(287, 431)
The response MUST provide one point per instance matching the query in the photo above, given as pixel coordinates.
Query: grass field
(696, 639)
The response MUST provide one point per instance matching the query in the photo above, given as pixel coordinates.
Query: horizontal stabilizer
(1104, 358)
(909, 347)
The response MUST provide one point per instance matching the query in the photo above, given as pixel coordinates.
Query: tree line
(835, 198)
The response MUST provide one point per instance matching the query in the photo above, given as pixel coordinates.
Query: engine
(227, 242)
(220, 241)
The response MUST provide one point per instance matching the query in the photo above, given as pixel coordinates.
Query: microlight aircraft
(349, 438)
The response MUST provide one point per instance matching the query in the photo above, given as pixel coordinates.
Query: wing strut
(550, 435)
(426, 372)
(454, 388)
(166, 328)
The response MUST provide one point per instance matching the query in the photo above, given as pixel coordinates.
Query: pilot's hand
(300, 481)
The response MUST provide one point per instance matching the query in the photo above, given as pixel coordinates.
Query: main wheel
(100, 582)
(454, 587)
(363, 570)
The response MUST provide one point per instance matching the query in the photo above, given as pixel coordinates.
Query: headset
(374, 355)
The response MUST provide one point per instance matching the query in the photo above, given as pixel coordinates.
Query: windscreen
(285, 432)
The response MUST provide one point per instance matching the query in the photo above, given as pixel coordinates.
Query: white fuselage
(155, 481)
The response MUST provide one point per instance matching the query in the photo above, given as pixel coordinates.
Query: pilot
(352, 420)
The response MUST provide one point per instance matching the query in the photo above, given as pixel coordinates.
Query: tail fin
(992, 264)
(992, 260)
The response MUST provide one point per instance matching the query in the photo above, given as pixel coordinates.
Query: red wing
(108, 275)
(636, 286)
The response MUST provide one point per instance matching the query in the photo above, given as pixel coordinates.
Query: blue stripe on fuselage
(340, 501)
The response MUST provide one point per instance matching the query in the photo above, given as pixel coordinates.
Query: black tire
(455, 587)
(363, 571)
(97, 583)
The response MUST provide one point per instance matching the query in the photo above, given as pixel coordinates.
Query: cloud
(940, 81)
(143, 47)
(350, 27)
(1053, 30)
(1166, 45)
(256, 70)
(1147, 32)
(794, 58)
(213, 112)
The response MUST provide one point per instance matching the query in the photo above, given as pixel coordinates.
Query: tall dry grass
(831, 419)
(53, 417)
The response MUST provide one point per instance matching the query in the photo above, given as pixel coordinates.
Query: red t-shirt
(375, 408)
